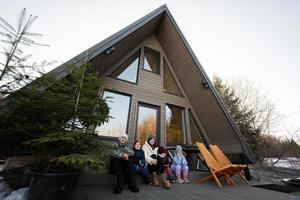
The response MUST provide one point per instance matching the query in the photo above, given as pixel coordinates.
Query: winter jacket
(164, 161)
(139, 157)
(149, 152)
(121, 149)
(179, 160)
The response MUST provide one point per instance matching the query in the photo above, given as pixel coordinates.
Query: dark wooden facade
(159, 31)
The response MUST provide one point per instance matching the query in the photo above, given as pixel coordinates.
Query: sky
(257, 40)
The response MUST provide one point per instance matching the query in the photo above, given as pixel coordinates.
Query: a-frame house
(158, 86)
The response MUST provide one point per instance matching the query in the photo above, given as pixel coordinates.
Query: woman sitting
(121, 164)
(150, 150)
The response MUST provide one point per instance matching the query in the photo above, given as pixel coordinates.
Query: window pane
(175, 125)
(195, 131)
(119, 110)
(151, 60)
(170, 85)
(147, 122)
(128, 70)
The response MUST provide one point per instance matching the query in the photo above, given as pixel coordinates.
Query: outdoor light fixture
(110, 50)
(205, 84)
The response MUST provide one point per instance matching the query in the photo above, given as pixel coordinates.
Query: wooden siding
(148, 90)
(205, 104)
(160, 34)
(103, 61)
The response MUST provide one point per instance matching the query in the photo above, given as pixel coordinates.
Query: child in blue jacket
(179, 166)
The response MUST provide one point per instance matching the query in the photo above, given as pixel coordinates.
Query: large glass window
(147, 121)
(151, 60)
(170, 85)
(195, 131)
(128, 70)
(119, 111)
(175, 125)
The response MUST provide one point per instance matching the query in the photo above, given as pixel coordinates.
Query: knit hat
(178, 148)
(161, 150)
(123, 135)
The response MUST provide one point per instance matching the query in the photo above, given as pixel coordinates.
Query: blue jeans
(137, 169)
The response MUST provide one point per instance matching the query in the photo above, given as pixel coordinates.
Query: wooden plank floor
(190, 191)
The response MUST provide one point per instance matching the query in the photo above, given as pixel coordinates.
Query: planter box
(52, 186)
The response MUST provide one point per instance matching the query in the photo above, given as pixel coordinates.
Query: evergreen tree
(14, 72)
(40, 119)
(52, 118)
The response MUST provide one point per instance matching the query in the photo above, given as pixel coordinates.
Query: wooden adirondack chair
(217, 170)
(222, 159)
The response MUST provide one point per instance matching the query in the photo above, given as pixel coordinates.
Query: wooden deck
(97, 189)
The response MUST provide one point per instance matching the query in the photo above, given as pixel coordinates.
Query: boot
(150, 179)
(184, 175)
(132, 183)
(178, 176)
(179, 180)
(147, 180)
(120, 182)
(134, 188)
(155, 180)
(166, 184)
(171, 179)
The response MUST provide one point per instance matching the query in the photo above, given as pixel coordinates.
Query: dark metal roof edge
(245, 147)
(108, 42)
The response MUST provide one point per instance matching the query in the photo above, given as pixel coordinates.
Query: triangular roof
(162, 23)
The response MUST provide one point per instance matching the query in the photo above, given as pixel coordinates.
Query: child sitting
(139, 164)
(179, 166)
(164, 164)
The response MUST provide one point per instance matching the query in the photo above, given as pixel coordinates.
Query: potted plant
(52, 120)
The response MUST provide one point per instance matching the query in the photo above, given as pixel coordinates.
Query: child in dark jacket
(139, 163)
(164, 166)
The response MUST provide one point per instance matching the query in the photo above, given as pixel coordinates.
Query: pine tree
(52, 118)
(14, 72)
(39, 120)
